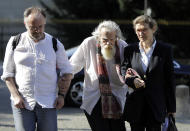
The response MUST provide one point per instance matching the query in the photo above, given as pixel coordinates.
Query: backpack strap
(54, 41)
(16, 41)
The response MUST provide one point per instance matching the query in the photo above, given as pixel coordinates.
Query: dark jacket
(159, 92)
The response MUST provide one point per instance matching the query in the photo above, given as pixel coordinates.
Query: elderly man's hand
(64, 83)
(59, 102)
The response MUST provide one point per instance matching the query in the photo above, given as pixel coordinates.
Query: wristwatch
(63, 95)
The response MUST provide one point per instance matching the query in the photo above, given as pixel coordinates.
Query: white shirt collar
(145, 57)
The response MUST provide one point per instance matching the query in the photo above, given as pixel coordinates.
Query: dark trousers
(98, 123)
(147, 121)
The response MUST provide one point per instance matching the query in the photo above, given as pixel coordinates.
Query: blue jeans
(45, 119)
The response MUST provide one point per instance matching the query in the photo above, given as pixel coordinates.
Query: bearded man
(104, 94)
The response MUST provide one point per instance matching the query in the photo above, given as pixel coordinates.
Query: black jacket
(159, 92)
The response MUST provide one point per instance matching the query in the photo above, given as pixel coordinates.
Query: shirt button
(144, 76)
(39, 62)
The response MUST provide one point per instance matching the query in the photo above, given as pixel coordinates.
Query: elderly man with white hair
(104, 94)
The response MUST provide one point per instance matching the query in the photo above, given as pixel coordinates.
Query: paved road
(69, 119)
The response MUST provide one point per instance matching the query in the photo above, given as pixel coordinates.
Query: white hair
(108, 24)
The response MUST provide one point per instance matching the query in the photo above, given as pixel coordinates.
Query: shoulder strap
(54, 41)
(16, 41)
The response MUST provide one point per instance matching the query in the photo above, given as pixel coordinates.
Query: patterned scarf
(110, 106)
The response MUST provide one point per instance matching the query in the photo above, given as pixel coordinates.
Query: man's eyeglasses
(34, 28)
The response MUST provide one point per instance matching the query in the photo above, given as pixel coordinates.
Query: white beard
(108, 52)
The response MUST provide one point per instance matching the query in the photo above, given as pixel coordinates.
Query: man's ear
(25, 21)
(25, 24)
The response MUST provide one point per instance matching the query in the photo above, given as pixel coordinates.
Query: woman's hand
(139, 83)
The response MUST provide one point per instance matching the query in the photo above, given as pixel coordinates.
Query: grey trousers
(40, 119)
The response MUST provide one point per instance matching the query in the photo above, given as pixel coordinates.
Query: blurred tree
(83, 9)
(170, 9)
(72, 34)
(94, 9)
(118, 9)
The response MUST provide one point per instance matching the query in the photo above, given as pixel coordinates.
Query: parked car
(182, 74)
(74, 95)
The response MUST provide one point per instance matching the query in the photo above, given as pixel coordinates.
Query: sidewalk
(69, 119)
